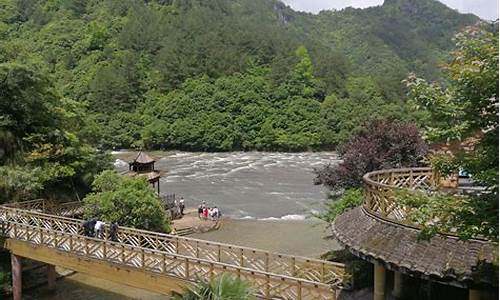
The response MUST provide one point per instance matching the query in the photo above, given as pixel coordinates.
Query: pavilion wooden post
(474, 294)
(397, 292)
(17, 276)
(51, 277)
(379, 282)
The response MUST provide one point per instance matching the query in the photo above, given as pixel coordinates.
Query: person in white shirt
(98, 229)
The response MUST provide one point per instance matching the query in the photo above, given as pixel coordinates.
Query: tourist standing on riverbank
(205, 213)
(181, 206)
(200, 211)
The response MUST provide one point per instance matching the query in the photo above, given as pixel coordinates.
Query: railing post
(411, 179)
(292, 265)
(197, 250)
(268, 287)
(164, 263)
(41, 235)
(267, 262)
(143, 263)
(123, 254)
(104, 255)
(187, 268)
(323, 272)
(218, 253)
(177, 245)
(211, 271)
(299, 291)
(241, 257)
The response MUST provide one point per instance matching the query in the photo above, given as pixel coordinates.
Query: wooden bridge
(154, 261)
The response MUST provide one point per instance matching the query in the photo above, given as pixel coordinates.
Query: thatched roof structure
(444, 258)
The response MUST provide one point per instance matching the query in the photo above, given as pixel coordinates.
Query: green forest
(225, 75)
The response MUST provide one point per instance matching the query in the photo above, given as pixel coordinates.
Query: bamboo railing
(274, 275)
(381, 187)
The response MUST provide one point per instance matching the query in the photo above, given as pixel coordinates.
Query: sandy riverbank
(309, 238)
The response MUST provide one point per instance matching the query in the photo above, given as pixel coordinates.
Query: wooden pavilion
(143, 165)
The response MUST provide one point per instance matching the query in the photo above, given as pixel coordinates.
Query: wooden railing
(67, 209)
(315, 270)
(381, 187)
(274, 275)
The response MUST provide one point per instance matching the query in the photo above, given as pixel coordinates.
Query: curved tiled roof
(442, 258)
(142, 158)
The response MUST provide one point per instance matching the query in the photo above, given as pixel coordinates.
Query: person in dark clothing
(113, 232)
(200, 211)
(181, 206)
(88, 227)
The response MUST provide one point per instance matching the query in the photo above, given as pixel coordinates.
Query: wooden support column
(51, 277)
(474, 294)
(397, 292)
(379, 282)
(17, 276)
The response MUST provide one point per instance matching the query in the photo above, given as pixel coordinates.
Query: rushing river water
(251, 185)
(273, 192)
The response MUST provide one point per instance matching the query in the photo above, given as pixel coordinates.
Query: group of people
(95, 228)
(180, 206)
(205, 212)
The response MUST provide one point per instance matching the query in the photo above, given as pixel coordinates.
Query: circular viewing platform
(381, 231)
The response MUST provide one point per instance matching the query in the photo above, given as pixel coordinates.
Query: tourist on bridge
(98, 229)
(88, 227)
(113, 232)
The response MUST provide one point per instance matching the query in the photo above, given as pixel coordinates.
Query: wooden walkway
(275, 276)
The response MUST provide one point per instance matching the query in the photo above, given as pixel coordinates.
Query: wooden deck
(169, 261)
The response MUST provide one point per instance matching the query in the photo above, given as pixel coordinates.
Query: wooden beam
(120, 274)
(17, 276)
(51, 277)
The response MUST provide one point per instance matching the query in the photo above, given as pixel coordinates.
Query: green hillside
(227, 74)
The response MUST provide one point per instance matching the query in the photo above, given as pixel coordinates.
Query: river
(269, 198)
(244, 185)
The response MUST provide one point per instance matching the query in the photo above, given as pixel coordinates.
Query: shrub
(126, 201)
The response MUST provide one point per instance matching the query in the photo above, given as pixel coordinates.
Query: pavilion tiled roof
(443, 258)
(142, 158)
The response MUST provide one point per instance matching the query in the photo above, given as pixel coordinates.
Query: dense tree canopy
(223, 75)
(41, 152)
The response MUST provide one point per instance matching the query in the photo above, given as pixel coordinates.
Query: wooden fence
(381, 187)
(274, 275)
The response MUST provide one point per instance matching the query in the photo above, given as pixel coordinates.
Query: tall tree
(467, 109)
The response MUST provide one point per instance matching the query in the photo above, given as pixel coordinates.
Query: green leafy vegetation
(127, 201)
(350, 199)
(42, 153)
(227, 75)
(465, 110)
(223, 287)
